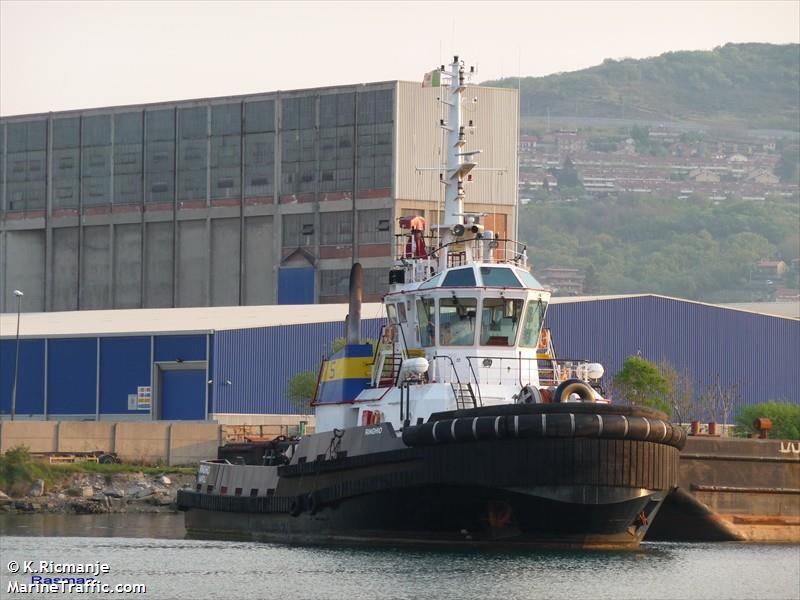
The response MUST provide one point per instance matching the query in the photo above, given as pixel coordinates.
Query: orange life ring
(544, 339)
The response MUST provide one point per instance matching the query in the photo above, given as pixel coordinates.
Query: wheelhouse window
(500, 320)
(534, 315)
(426, 320)
(391, 313)
(499, 277)
(528, 279)
(401, 312)
(460, 278)
(457, 321)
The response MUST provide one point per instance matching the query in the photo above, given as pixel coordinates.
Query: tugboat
(460, 426)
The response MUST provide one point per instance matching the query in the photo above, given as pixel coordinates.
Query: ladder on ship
(389, 358)
(464, 394)
(549, 370)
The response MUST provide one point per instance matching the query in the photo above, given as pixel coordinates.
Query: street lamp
(19, 296)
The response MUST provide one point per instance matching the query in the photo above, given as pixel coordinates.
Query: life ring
(529, 395)
(574, 386)
(376, 417)
(544, 340)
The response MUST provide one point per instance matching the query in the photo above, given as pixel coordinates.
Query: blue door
(183, 395)
(296, 285)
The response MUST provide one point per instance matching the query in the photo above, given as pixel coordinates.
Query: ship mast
(459, 162)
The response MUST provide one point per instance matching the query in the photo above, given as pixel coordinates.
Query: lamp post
(19, 296)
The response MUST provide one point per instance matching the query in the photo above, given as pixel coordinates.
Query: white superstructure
(465, 314)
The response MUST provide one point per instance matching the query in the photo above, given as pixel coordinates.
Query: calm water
(149, 549)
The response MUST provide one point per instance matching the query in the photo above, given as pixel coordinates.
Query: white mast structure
(459, 162)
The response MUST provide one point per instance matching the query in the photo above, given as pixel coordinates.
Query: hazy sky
(65, 55)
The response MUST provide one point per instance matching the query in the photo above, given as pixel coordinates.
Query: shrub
(18, 471)
(640, 382)
(785, 420)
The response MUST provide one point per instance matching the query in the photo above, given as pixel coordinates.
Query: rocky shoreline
(94, 493)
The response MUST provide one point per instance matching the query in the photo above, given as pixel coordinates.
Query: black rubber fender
(313, 502)
(573, 386)
(296, 506)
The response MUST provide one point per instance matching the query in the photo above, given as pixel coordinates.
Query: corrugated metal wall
(124, 367)
(758, 352)
(72, 376)
(761, 353)
(30, 384)
(180, 347)
(77, 381)
(259, 362)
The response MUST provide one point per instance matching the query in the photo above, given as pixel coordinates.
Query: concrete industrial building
(248, 200)
(232, 364)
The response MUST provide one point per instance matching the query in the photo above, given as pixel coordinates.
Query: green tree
(567, 176)
(680, 397)
(785, 419)
(789, 164)
(300, 390)
(640, 382)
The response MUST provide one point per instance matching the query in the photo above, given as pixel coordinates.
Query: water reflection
(150, 549)
(167, 526)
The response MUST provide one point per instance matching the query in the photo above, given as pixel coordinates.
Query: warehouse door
(181, 394)
(296, 285)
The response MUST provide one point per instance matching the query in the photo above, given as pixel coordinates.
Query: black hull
(543, 491)
(442, 516)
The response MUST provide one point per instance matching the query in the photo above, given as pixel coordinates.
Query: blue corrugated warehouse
(232, 364)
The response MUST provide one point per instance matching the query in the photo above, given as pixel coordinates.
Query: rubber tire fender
(313, 503)
(573, 386)
(296, 506)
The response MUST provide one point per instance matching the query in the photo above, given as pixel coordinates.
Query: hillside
(747, 86)
(700, 250)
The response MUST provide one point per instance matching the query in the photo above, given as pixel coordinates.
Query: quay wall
(170, 443)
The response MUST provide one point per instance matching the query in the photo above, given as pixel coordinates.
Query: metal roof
(778, 309)
(174, 320)
(218, 318)
(786, 310)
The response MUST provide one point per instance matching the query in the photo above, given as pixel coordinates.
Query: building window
(336, 109)
(192, 153)
(298, 230)
(337, 228)
(298, 152)
(298, 161)
(259, 116)
(160, 155)
(26, 165)
(376, 281)
(226, 154)
(66, 161)
(298, 112)
(259, 165)
(96, 160)
(335, 282)
(128, 158)
(375, 226)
